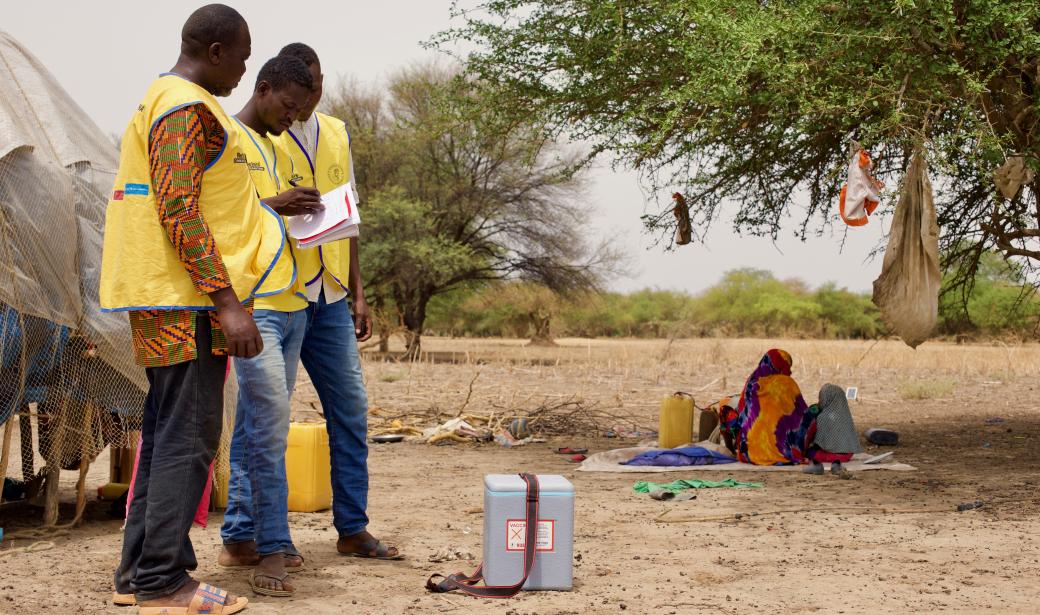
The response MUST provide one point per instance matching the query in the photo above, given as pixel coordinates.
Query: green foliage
(754, 103)
(747, 302)
(1000, 303)
(744, 303)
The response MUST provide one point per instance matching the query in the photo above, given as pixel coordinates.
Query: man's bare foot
(239, 555)
(270, 577)
(244, 555)
(366, 545)
(183, 596)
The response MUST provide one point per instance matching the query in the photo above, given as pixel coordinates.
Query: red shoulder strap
(468, 584)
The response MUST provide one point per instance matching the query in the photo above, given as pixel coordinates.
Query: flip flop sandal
(577, 458)
(207, 599)
(381, 552)
(264, 591)
(119, 599)
(254, 564)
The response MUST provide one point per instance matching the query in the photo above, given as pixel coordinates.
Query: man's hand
(296, 202)
(243, 338)
(362, 320)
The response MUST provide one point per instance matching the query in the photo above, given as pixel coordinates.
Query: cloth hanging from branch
(907, 291)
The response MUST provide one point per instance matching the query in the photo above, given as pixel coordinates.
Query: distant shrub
(745, 303)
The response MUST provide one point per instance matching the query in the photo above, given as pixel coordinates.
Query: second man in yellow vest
(256, 525)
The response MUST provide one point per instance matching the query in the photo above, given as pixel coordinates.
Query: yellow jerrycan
(676, 421)
(307, 467)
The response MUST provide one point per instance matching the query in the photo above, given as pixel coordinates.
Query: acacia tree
(754, 102)
(452, 195)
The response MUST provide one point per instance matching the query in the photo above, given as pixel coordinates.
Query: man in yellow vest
(256, 521)
(320, 149)
(187, 245)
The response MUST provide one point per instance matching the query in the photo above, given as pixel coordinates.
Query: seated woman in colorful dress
(771, 421)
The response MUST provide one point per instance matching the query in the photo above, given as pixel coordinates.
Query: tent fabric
(59, 350)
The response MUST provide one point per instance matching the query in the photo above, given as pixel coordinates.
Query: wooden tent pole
(6, 454)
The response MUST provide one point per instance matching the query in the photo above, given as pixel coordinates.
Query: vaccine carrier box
(505, 512)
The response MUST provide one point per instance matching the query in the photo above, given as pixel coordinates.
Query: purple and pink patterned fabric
(771, 423)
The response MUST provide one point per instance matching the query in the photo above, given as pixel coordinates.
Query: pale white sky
(106, 52)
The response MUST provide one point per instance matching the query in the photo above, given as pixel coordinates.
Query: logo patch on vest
(117, 195)
(255, 166)
(296, 178)
(136, 189)
(240, 158)
(336, 174)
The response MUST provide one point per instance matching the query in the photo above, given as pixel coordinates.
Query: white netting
(60, 354)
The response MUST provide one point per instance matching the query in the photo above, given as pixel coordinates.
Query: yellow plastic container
(307, 467)
(676, 421)
(112, 491)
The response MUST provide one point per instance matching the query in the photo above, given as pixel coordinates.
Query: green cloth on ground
(644, 486)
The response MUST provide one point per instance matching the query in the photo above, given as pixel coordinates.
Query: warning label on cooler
(516, 530)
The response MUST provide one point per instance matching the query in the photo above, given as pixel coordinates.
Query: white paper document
(339, 220)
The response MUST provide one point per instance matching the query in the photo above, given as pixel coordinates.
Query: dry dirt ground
(806, 561)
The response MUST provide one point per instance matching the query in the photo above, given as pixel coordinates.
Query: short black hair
(213, 23)
(301, 51)
(282, 71)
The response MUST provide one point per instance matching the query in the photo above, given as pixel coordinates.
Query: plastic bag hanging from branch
(861, 193)
(907, 291)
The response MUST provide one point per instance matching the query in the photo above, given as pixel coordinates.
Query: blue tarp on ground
(687, 456)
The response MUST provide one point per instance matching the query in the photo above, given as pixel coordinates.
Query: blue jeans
(330, 355)
(257, 490)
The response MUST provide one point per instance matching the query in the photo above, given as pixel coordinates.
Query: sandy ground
(809, 561)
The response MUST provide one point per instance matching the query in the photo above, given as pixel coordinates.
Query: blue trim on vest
(169, 111)
(270, 268)
(270, 169)
(314, 177)
(320, 271)
(321, 257)
(197, 102)
(223, 147)
(133, 308)
(274, 167)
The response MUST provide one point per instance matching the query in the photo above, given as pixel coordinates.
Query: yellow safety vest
(270, 169)
(140, 268)
(329, 170)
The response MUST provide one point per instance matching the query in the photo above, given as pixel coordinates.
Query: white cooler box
(504, 528)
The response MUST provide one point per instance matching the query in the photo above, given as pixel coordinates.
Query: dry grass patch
(926, 389)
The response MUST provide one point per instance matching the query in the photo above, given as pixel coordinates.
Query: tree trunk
(542, 334)
(414, 317)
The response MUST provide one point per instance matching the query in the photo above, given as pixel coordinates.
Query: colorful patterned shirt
(182, 144)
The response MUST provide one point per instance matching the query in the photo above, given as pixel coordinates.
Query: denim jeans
(330, 355)
(183, 417)
(257, 490)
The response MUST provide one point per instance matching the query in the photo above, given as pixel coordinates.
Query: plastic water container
(505, 511)
(307, 467)
(676, 421)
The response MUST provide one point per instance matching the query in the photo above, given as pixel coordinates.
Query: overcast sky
(106, 52)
